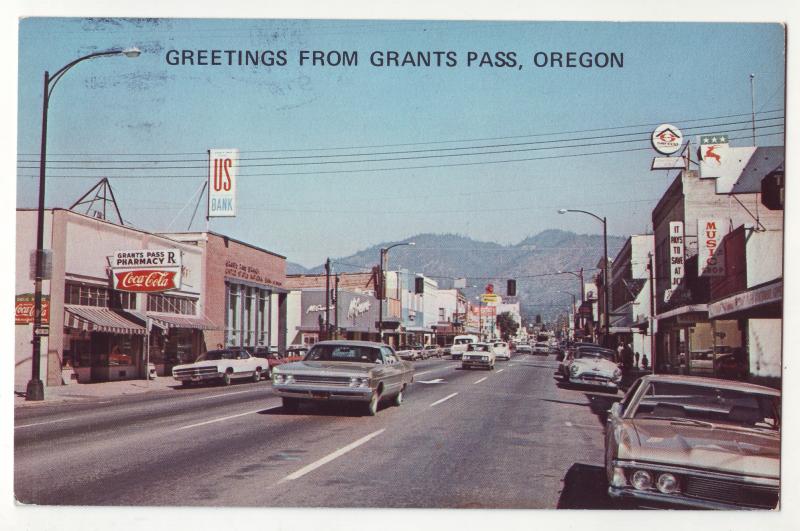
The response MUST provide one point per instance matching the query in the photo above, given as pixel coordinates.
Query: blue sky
(117, 109)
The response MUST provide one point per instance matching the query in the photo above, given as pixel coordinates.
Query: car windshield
(478, 348)
(686, 402)
(595, 354)
(463, 341)
(359, 354)
(499, 344)
(213, 355)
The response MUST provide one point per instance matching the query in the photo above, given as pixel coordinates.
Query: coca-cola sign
(145, 280)
(24, 309)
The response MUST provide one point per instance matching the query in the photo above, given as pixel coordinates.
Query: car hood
(328, 367)
(733, 450)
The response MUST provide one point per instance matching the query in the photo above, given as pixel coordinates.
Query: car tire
(290, 405)
(186, 383)
(372, 405)
(398, 399)
(226, 379)
(257, 375)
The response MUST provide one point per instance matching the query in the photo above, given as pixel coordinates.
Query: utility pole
(336, 305)
(379, 280)
(753, 105)
(327, 297)
(652, 315)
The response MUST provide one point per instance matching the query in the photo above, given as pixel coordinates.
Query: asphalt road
(509, 438)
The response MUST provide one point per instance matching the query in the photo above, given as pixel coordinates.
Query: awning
(691, 308)
(419, 329)
(167, 321)
(96, 319)
(749, 300)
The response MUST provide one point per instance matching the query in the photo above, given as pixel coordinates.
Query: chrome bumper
(656, 499)
(474, 363)
(316, 392)
(198, 377)
(608, 384)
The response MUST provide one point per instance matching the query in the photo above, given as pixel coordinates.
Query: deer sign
(710, 154)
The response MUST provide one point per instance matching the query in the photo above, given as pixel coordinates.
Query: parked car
(349, 371)
(431, 351)
(460, 344)
(222, 366)
(732, 366)
(594, 366)
(695, 442)
(409, 352)
(446, 350)
(478, 355)
(501, 350)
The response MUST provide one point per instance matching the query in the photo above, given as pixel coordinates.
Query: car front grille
(592, 376)
(196, 371)
(322, 380)
(758, 496)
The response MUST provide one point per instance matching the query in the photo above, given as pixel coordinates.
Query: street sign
(491, 298)
(223, 165)
(41, 331)
(47, 264)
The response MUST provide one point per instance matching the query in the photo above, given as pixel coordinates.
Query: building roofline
(229, 238)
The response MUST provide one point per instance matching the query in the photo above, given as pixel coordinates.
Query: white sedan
(221, 366)
(501, 350)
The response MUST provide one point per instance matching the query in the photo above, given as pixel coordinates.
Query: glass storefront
(247, 315)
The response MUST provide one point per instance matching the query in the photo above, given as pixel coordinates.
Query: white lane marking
(510, 364)
(435, 381)
(499, 371)
(568, 423)
(330, 457)
(225, 418)
(228, 394)
(41, 423)
(448, 397)
(482, 379)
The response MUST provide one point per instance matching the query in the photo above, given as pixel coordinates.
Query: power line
(375, 146)
(400, 168)
(393, 159)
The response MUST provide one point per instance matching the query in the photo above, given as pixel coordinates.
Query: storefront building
(353, 315)
(245, 291)
(99, 319)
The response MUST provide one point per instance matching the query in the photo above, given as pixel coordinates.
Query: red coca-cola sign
(24, 309)
(145, 280)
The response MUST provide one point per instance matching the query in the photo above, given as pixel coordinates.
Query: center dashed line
(330, 457)
(212, 421)
(448, 397)
(482, 379)
(500, 370)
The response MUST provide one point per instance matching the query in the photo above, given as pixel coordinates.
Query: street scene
(398, 265)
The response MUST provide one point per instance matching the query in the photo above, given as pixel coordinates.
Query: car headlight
(617, 374)
(485, 358)
(667, 483)
(641, 480)
(288, 379)
(574, 369)
(277, 378)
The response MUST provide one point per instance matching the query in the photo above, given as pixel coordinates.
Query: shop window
(171, 304)
(86, 295)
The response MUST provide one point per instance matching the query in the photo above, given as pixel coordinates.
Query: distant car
(432, 351)
(460, 344)
(446, 350)
(501, 350)
(409, 352)
(222, 366)
(541, 348)
(593, 366)
(694, 442)
(365, 372)
(479, 355)
(524, 348)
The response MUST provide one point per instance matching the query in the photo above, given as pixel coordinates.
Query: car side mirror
(616, 410)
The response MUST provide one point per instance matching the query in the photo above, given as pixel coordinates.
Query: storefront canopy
(167, 321)
(96, 319)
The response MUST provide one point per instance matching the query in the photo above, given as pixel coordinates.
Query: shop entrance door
(99, 372)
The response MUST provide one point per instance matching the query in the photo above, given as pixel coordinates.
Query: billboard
(677, 252)
(146, 270)
(710, 258)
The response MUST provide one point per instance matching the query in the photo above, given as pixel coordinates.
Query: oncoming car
(348, 371)
(479, 355)
(592, 366)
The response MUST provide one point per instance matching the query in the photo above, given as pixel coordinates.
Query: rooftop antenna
(103, 194)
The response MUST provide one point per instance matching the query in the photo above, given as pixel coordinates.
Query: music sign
(146, 270)
(223, 165)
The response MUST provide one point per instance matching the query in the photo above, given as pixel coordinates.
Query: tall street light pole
(579, 276)
(35, 388)
(382, 273)
(605, 266)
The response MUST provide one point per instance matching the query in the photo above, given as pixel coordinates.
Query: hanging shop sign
(491, 298)
(710, 257)
(667, 139)
(713, 148)
(146, 270)
(24, 309)
(223, 166)
(677, 253)
(668, 163)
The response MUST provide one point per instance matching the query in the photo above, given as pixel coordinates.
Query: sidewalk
(78, 391)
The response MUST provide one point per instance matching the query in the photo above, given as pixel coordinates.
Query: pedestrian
(636, 357)
(644, 362)
(620, 348)
(627, 358)
(219, 346)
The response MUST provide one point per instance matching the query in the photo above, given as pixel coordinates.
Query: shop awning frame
(99, 319)
(167, 321)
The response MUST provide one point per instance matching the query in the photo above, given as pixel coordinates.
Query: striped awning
(96, 319)
(167, 321)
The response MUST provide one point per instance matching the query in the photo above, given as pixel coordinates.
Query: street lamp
(35, 388)
(480, 318)
(382, 294)
(605, 264)
(574, 303)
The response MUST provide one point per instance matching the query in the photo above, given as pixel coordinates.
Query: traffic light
(511, 288)
(538, 319)
(419, 285)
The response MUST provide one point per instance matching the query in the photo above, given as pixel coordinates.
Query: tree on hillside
(507, 325)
